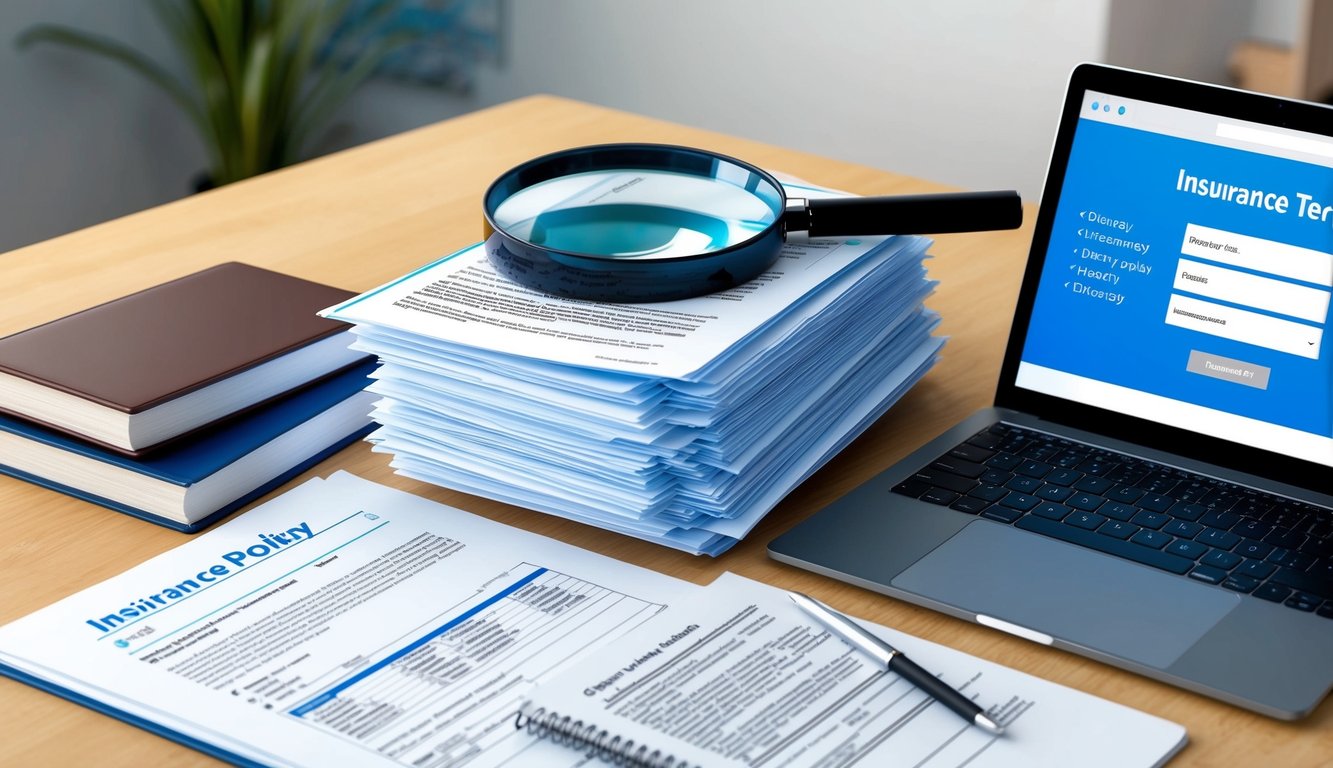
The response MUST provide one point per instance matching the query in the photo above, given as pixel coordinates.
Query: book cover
(141, 350)
(205, 453)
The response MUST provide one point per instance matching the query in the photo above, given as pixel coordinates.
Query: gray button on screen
(1228, 369)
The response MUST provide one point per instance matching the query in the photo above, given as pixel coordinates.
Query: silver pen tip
(988, 725)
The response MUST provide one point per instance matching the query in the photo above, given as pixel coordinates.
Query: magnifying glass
(655, 222)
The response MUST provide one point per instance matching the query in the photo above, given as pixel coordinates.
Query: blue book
(200, 479)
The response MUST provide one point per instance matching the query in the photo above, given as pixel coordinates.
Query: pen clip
(844, 628)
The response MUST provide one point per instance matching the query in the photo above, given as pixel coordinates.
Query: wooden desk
(365, 216)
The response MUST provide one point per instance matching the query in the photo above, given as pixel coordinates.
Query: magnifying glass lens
(639, 213)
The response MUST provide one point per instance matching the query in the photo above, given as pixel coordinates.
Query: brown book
(138, 371)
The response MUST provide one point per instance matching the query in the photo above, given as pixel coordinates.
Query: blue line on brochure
(334, 312)
(262, 586)
(333, 692)
(201, 590)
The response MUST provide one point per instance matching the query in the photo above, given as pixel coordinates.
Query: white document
(745, 678)
(343, 623)
(461, 299)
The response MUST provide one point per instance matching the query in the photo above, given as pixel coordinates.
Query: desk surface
(362, 217)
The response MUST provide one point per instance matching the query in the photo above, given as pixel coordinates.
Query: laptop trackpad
(1073, 594)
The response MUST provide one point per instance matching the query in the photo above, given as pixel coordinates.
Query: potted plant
(259, 90)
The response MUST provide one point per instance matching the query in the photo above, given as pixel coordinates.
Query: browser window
(1187, 280)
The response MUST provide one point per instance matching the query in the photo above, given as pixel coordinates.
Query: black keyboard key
(1255, 549)
(1002, 513)
(1216, 538)
(996, 477)
(1274, 592)
(1219, 500)
(939, 496)
(911, 487)
(1095, 485)
(1033, 469)
(1222, 559)
(1020, 501)
(1303, 582)
(1190, 549)
(1190, 490)
(1064, 477)
(969, 504)
(1152, 520)
(1085, 501)
(1127, 474)
(973, 453)
(1184, 511)
(1156, 502)
(1223, 520)
(1326, 610)
(1094, 540)
(1087, 520)
(944, 480)
(1252, 529)
(1252, 506)
(1303, 602)
(1285, 558)
(1285, 538)
(1125, 493)
(1054, 493)
(1051, 511)
(1183, 528)
(1158, 482)
(1003, 461)
(1069, 459)
(984, 440)
(1023, 484)
(1256, 569)
(1208, 574)
(1097, 465)
(1285, 515)
(1117, 529)
(1154, 539)
(1240, 583)
(1118, 510)
(988, 493)
(969, 469)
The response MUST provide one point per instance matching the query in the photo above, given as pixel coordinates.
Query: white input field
(1251, 290)
(1244, 326)
(1275, 139)
(1269, 256)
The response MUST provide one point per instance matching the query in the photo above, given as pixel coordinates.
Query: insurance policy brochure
(342, 623)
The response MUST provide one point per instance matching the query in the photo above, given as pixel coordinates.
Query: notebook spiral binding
(598, 742)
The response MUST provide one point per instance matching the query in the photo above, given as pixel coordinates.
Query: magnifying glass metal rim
(637, 156)
(595, 277)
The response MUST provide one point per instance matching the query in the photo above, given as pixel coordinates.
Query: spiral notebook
(744, 678)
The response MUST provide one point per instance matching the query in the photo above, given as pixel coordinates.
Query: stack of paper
(678, 422)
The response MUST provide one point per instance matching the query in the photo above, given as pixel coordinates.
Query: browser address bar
(1275, 139)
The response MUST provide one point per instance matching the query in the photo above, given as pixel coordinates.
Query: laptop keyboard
(1202, 528)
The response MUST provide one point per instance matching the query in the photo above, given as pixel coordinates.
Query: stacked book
(678, 422)
(181, 402)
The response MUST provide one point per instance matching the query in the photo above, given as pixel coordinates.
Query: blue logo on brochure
(122, 643)
(371, 516)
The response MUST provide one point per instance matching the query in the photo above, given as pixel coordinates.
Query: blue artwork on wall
(436, 42)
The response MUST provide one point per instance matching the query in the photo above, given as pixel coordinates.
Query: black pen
(893, 660)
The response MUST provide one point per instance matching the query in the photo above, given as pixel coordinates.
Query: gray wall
(81, 141)
(959, 91)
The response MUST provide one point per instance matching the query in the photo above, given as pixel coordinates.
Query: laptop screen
(1187, 276)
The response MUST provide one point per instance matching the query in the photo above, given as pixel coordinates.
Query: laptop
(1153, 485)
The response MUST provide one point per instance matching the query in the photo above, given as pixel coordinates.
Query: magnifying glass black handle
(906, 214)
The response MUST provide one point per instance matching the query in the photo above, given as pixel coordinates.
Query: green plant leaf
(253, 100)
